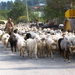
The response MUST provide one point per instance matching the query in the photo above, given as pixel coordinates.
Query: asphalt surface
(11, 63)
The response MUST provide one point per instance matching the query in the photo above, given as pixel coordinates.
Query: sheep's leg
(5, 46)
(68, 55)
(36, 54)
(52, 54)
(43, 53)
(46, 50)
(23, 51)
(48, 53)
(12, 48)
(20, 51)
(40, 53)
(73, 55)
(15, 48)
(30, 54)
(64, 55)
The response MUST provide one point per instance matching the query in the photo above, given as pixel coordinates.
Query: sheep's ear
(43, 39)
(25, 41)
(8, 36)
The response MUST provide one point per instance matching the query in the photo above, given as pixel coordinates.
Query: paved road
(12, 64)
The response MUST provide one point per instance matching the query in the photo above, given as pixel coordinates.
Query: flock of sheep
(43, 42)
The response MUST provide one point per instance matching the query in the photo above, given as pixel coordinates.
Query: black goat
(13, 42)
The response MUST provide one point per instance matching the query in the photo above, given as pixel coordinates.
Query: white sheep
(20, 44)
(41, 46)
(5, 40)
(50, 46)
(1, 33)
(31, 46)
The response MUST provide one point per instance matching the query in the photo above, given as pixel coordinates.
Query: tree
(58, 4)
(22, 19)
(3, 13)
(3, 5)
(17, 10)
(18, 0)
(9, 5)
(56, 8)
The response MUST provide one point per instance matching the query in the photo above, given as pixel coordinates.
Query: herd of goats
(42, 42)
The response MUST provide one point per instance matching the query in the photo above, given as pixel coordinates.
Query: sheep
(13, 42)
(59, 41)
(28, 35)
(72, 48)
(20, 44)
(50, 46)
(31, 46)
(5, 40)
(41, 46)
(33, 34)
(1, 32)
(65, 47)
(18, 36)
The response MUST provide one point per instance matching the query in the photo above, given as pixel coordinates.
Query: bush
(2, 18)
(41, 20)
(22, 19)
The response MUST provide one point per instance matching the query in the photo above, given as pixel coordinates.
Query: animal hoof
(64, 59)
(69, 61)
(36, 58)
(52, 58)
(31, 57)
(43, 56)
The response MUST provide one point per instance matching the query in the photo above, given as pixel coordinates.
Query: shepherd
(9, 28)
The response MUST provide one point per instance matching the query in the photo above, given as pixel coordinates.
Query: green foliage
(31, 3)
(36, 14)
(22, 19)
(2, 18)
(3, 14)
(31, 16)
(5, 5)
(17, 10)
(56, 9)
(41, 20)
